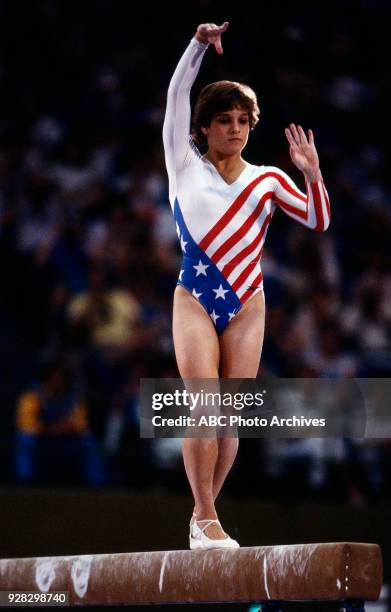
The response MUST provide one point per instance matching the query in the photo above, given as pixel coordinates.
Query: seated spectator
(105, 316)
(53, 440)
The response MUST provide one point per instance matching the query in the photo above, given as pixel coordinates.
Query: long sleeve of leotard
(176, 128)
(312, 208)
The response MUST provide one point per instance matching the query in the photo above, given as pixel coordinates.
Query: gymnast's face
(228, 131)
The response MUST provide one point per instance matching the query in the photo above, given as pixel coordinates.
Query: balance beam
(342, 571)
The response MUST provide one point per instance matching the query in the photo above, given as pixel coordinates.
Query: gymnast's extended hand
(303, 152)
(211, 33)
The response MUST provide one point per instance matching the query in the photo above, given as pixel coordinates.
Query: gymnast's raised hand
(211, 33)
(303, 152)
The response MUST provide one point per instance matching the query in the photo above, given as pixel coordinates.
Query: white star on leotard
(183, 244)
(220, 292)
(180, 274)
(231, 315)
(196, 295)
(178, 231)
(201, 268)
(214, 316)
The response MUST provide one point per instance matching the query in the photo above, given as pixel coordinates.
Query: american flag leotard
(222, 227)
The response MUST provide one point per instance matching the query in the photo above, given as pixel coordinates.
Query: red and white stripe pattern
(235, 243)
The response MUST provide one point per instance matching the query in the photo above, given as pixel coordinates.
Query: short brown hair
(219, 97)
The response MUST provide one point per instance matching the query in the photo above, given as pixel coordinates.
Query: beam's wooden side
(296, 572)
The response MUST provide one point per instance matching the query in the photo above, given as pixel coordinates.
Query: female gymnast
(222, 207)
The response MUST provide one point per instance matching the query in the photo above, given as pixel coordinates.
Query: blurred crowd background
(88, 250)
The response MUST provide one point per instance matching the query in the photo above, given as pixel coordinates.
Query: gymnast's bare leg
(200, 353)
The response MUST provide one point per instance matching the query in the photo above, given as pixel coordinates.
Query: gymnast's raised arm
(176, 128)
(313, 208)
